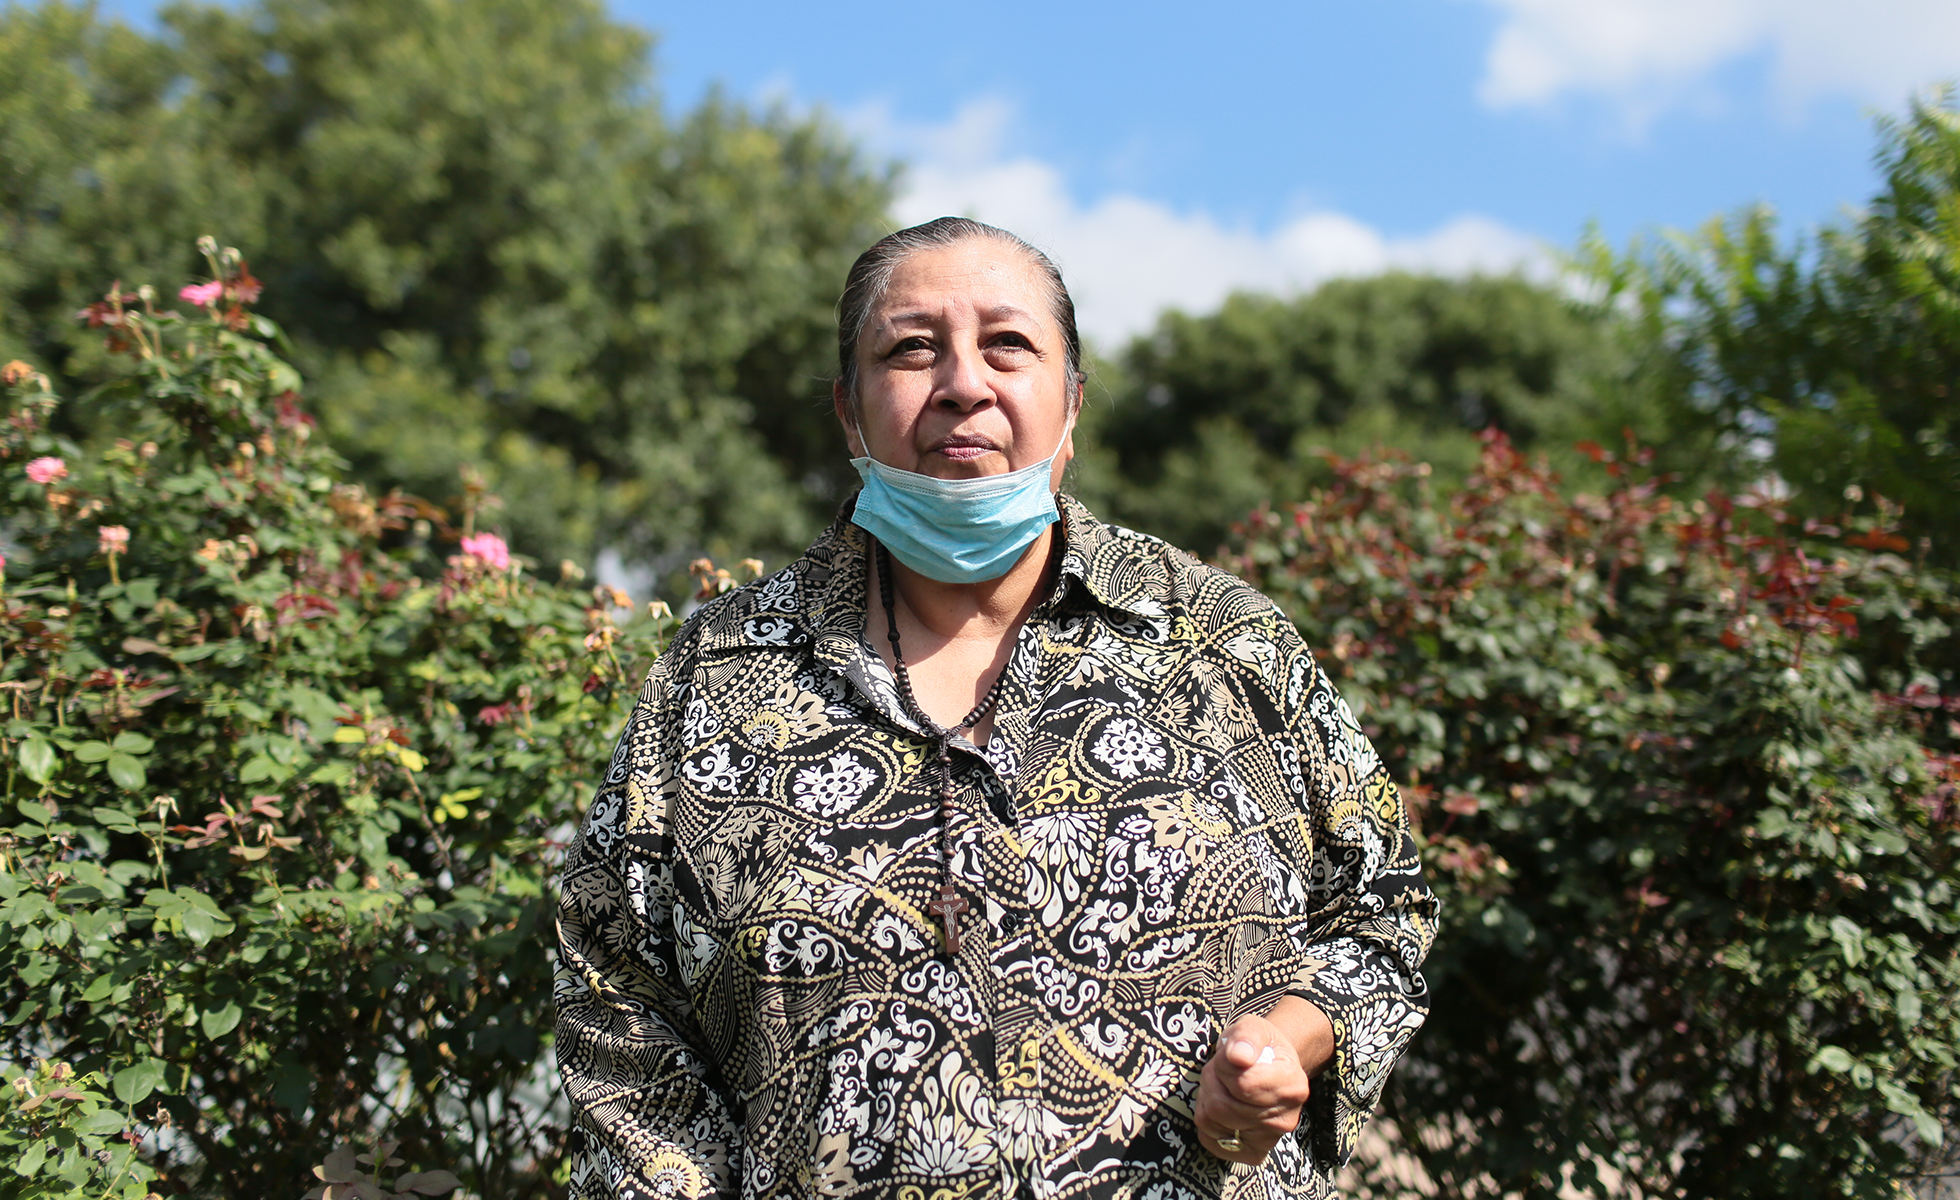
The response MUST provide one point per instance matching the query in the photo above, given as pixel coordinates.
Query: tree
(1831, 361)
(1213, 414)
(487, 243)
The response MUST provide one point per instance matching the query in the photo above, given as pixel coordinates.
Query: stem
(156, 843)
(422, 806)
(110, 1191)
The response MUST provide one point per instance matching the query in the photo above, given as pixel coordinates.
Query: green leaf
(37, 758)
(102, 1121)
(428, 1183)
(218, 1022)
(93, 752)
(133, 743)
(199, 926)
(257, 769)
(141, 592)
(127, 771)
(1834, 1059)
(114, 819)
(35, 811)
(191, 654)
(313, 706)
(133, 1084)
(198, 900)
(30, 1162)
(98, 989)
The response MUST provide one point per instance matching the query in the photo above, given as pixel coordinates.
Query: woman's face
(961, 367)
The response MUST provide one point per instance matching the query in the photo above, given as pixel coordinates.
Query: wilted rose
(112, 539)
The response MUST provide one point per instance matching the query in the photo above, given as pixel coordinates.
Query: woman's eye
(910, 348)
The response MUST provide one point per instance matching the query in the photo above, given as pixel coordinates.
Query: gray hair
(871, 275)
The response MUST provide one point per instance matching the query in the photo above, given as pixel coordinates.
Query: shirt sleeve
(1371, 917)
(649, 1117)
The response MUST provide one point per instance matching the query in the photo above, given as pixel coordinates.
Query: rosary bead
(949, 905)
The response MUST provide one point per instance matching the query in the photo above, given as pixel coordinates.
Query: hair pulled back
(871, 275)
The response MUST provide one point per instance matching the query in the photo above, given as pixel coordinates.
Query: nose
(963, 381)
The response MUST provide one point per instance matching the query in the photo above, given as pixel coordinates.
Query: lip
(965, 447)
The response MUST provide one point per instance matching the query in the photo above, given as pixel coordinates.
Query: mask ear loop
(864, 447)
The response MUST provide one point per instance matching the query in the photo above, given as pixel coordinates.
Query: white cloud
(1649, 54)
(1127, 258)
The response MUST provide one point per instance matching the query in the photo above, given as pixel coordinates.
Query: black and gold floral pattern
(1176, 821)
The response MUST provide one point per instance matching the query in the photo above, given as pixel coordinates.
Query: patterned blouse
(1176, 821)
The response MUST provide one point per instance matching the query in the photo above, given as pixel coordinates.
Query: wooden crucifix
(949, 906)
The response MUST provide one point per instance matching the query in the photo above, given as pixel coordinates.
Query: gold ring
(1231, 1145)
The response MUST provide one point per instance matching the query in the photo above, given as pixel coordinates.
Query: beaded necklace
(950, 903)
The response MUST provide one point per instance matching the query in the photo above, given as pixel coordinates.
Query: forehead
(977, 278)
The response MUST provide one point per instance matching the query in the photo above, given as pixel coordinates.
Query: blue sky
(1259, 110)
(1169, 153)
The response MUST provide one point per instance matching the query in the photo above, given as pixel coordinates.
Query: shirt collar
(819, 599)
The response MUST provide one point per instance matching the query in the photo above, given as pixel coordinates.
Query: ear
(840, 404)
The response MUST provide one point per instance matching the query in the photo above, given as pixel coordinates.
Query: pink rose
(488, 549)
(112, 539)
(47, 469)
(201, 294)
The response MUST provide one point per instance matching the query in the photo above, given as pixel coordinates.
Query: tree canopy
(488, 243)
(1832, 361)
(1213, 414)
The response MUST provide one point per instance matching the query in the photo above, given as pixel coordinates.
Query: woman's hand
(1259, 1078)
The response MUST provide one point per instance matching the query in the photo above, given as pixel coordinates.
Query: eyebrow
(999, 312)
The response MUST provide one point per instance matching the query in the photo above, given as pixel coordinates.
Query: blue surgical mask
(956, 530)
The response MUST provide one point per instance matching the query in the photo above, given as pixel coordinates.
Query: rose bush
(286, 767)
(1686, 774)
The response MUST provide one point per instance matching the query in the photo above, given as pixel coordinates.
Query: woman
(986, 849)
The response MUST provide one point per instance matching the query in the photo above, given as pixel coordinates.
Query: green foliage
(487, 242)
(1834, 363)
(65, 1137)
(1687, 776)
(1214, 414)
(285, 770)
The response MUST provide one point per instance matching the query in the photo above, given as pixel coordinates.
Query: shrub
(285, 765)
(1686, 778)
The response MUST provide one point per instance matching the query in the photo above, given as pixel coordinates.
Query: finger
(1248, 1146)
(1217, 1113)
(1280, 1083)
(1232, 1114)
(1249, 1042)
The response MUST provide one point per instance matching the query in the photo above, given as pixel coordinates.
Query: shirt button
(1010, 924)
